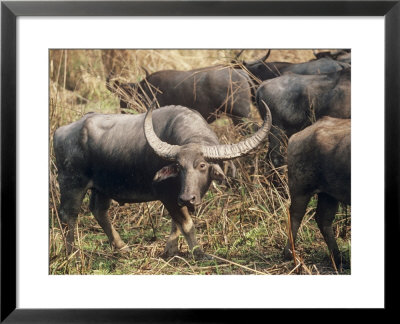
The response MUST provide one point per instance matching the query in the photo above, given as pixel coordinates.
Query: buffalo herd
(172, 154)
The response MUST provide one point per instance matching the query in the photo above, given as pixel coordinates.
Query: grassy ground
(243, 223)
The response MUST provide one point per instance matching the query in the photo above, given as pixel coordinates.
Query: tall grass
(243, 222)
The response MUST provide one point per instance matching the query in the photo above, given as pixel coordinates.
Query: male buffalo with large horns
(170, 155)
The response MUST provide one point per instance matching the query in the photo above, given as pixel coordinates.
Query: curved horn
(232, 151)
(264, 58)
(110, 85)
(236, 58)
(162, 149)
(145, 71)
(238, 54)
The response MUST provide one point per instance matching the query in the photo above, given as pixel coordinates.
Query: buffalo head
(130, 94)
(259, 69)
(197, 164)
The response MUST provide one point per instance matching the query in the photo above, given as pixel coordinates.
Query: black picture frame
(10, 10)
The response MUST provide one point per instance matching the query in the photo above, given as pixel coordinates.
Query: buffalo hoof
(199, 255)
(125, 249)
(72, 252)
(343, 265)
(287, 254)
(70, 249)
(169, 254)
(206, 256)
(340, 263)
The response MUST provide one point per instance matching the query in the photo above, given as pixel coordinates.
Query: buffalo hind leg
(183, 221)
(297, 211)
(99, 205)
(326, 210)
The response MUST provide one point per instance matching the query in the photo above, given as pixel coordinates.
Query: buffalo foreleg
(71, 200)
(180, 216)
(99, 205)
(171, 247)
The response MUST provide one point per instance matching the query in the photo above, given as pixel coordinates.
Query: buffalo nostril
(185, 200)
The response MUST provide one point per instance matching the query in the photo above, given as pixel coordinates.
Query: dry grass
(242, 223)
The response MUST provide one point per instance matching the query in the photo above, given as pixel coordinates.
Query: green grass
(251, 249)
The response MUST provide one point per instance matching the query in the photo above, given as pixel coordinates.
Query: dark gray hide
(296, 101)
(343, 56)
(260, 70)
(319, 161)
(114, 157)
(210, 91)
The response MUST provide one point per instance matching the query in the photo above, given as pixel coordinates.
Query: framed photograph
(61, 61)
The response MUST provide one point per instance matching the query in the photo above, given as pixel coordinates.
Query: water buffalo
(171, 155)
(319, 162)
(210, 90)
(298, 100)
(340, 55)
(260, 70)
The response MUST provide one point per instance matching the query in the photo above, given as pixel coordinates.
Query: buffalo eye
(177, 167)
(202, 166)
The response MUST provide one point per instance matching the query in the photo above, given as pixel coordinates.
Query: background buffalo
(211, 91)
(296, 101)
(263, 68)
(319, 162)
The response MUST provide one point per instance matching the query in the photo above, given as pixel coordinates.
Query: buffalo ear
(169, 171)
(217, 173)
